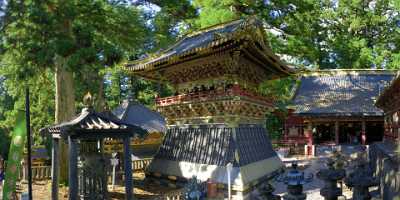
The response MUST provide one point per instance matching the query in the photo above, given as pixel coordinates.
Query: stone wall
(384, 157)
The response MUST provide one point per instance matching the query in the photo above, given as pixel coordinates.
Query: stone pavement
(308, 165)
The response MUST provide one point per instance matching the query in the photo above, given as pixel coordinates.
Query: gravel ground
(310, 165)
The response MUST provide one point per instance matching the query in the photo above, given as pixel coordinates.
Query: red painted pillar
(363, 133)
(310, 141)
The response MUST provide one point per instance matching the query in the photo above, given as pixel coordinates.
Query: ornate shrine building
(216, 116)
(389, 101)
(385, 156)
(336, 107)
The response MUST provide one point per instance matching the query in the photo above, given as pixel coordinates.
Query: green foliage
(320, 33)
(89, 35)
(214, 12)
(316, 34)
(96, 36)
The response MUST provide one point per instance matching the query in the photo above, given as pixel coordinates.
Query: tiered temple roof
(245, 36)
(217, 115)
(338, 93)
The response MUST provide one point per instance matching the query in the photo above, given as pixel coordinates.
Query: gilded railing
(141, 164)
(212, 94)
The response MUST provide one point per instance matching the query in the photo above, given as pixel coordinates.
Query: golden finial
(88, 100)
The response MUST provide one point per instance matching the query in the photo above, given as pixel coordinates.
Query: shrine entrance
(324, 133)
(374, 132)
(347, 132)
(350, 132)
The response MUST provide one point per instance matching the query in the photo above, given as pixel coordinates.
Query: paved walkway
(310, 165)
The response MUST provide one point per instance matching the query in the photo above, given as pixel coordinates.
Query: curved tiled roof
(134, 113)
(205, 41)
(341, 92)
(90, 121)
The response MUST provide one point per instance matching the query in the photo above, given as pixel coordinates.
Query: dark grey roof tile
(340, 94)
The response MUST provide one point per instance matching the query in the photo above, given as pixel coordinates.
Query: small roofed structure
(338, 106)
(84, 134)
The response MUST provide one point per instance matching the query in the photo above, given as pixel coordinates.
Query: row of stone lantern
(361, 179)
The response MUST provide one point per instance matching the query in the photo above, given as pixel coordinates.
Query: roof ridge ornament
(88, 102)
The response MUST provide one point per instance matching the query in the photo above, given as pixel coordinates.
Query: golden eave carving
(242, 38)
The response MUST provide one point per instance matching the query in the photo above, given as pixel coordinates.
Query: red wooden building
(385, 156)
(389, 101)
(337, 107)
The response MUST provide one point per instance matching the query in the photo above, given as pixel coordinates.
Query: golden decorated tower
(216, 116)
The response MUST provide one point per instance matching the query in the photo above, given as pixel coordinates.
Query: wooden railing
(38, 173)
(234, 91)
(139, 165)
(291, 140)
(176, 195)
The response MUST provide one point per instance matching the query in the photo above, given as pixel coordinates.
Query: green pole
(14, 157)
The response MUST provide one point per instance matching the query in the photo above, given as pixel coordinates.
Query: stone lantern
(331, 176)
(266, 191)
(361, 179)
(295, 180)
(194, 189)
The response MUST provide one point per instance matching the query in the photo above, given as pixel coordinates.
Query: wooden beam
(128, 170)
(55, 168)
(73, 169)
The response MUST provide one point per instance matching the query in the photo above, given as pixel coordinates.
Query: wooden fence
(44, 172)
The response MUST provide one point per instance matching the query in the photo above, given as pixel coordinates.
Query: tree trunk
(101, 102)
(65, 108)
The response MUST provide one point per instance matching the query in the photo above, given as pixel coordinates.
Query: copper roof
(204, 42)
(341, 92)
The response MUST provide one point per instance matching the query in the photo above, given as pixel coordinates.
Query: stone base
(294, 197)
(251, 192)
(385, 162)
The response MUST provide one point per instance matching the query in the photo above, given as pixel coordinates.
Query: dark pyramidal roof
(134, 113)
(341, 92)
(205, 150)
(216, 145)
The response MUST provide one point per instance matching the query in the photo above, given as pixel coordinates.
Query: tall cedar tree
(72, 38)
